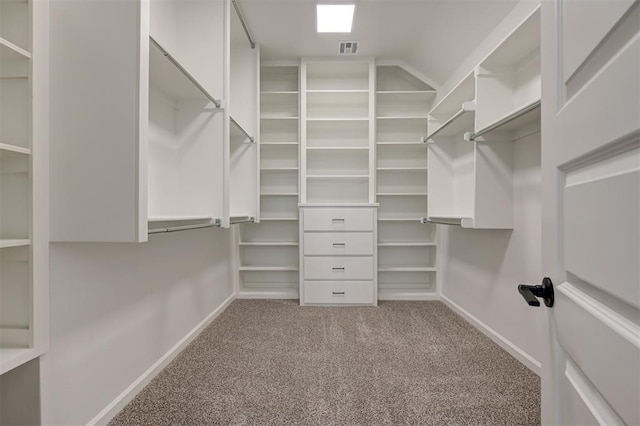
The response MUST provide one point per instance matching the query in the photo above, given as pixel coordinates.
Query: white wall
(116, 309)
(480, 269)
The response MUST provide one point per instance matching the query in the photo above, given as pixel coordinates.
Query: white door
(591, 210)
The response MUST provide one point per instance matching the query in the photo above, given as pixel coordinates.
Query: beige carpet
(273, 362)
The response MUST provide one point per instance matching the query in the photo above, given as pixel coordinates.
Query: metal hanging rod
(241, 219)
(251, 138)
(244, 23)
(213, 223)
(186, 73)
(442, 221)
(506, 120)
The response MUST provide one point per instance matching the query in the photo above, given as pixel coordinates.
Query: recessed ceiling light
(335, 18)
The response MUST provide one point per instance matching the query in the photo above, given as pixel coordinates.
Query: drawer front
(343, 219)
(338, 243)
(338, 292)
(338, 268)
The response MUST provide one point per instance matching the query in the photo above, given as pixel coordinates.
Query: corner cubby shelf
(470, 177)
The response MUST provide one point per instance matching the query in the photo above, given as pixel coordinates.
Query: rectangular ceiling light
(335, 18)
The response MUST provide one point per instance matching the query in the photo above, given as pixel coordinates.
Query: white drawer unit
(338, 268)
(338, 244)
(339, 292)
(338, 255)
(338, 219)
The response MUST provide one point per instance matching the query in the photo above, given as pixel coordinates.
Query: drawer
(338, 243)
(338, 292)
(339, 219)
(338, 268)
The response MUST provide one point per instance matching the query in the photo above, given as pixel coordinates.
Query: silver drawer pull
(339, 244)
(338, 269)
(338, 293)
(337, 220)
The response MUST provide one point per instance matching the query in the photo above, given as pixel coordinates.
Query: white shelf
(280, 92)
(419, 143)
(407, 244)
(179, 218)
(279, 194)
(522, 116)
(399, 219)
(401, 169)
(337, 176)
(402, 194)
(338, 91)
(11, 358)
(337, 148)
(279, 169)
(460, 122)
(271, 244)
(263, 144)
(403, 117)
(278, 219)
(407, 269)
(14, 243)
(339, 204)
(268, 268)
(266, 117)
(407, 92)
(9, 50)
(338, 119)
(166, 73)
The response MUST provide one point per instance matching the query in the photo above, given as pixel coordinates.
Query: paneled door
(591, 210)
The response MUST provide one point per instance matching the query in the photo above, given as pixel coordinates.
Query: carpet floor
(271, 362)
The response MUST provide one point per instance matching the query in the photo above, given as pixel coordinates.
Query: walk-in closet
(319, 212)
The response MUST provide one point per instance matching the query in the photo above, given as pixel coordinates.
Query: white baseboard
(132, 390)
(406, 296)
(497, 338)
(275, 294)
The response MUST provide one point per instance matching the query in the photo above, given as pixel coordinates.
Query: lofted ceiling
(433, 36)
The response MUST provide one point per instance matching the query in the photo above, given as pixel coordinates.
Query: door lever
(545, 291)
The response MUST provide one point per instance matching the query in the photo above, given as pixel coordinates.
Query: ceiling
(433, 36)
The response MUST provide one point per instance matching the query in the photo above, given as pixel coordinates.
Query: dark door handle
(545, 291)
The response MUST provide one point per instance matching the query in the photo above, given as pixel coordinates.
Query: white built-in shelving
(160, 119)
(24, 206)
(406, 248)
(471, 132)
(268, 250)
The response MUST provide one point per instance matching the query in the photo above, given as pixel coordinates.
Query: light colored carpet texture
(272, 362)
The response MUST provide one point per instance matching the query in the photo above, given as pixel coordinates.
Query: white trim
(385, 295)
(268, 294)
(115, 406)
(526, 359)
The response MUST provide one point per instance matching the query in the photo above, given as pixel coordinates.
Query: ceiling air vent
(348, 48)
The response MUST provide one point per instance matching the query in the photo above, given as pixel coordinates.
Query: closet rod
(241, 219)
(214, 223)
(506, 120)
(251, 139)
(186, 73)
(442, 221)
(244, 24)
